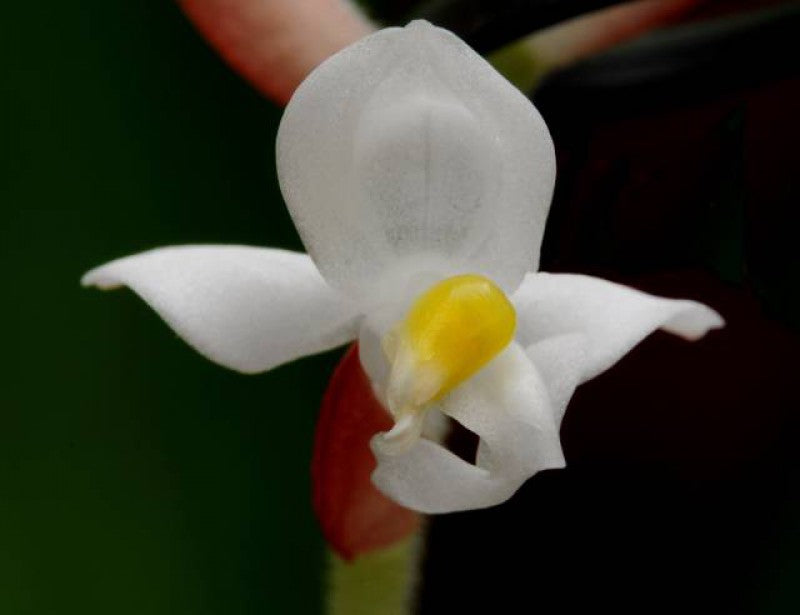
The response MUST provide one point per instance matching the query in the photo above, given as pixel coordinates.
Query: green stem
(383, 581)
(518, 63)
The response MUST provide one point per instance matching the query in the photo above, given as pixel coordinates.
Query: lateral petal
(249, 309)
(611, 317)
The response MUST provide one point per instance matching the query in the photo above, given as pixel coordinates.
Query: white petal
(407, 151)
(246, 308)
(507, 405)
(374, 327)
(430, 479)
(613, 318)
(560, 360)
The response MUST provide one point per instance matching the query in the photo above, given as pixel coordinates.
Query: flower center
(450, 332)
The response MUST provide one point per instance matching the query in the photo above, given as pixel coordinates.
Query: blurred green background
(135, 476)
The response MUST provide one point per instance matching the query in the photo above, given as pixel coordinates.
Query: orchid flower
(420, 181)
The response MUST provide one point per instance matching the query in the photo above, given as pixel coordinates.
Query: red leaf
(355, 517)
(275, 43)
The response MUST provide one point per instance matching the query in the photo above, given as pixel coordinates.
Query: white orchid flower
(419, 180)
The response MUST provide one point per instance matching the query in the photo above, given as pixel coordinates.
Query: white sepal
(408, 152)
(246, 308)
(612, 318)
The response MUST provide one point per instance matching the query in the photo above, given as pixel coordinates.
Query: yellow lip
(451, 331)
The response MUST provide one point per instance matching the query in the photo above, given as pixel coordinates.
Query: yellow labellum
(453, 329)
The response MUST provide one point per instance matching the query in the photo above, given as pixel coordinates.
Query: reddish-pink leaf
(274, 44)
(355, 517)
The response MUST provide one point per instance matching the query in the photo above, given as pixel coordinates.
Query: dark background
(677, 175)
(136, 477)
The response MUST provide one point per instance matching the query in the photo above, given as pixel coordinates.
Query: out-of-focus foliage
(135, 476)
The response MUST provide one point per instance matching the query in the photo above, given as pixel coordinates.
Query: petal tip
(695, 321)
(419, 25)
(94, 278)
(87, 279)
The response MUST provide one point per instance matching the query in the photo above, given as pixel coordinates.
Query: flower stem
(383, 581)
